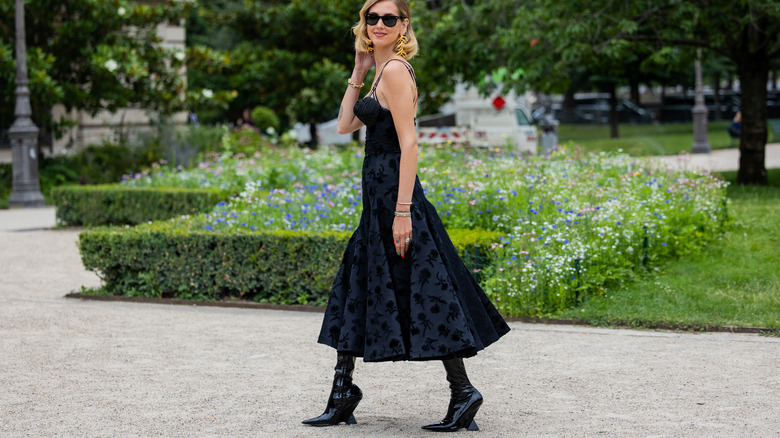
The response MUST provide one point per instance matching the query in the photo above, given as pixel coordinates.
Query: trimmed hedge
(281, 267)
(116, 204)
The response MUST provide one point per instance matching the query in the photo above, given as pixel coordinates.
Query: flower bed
(568, 224)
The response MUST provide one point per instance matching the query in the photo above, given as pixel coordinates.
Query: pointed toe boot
(465, 401)
(344, 396)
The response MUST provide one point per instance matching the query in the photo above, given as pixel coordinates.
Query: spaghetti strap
(408, 68)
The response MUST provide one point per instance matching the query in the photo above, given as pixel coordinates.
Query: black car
(594, 108)
(677, 108)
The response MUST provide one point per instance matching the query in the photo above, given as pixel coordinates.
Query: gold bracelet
(403, 214)
(354, 85)
(403, 203)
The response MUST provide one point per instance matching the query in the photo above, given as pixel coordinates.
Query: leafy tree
(83, 54)
(546, 39)
(291, 56)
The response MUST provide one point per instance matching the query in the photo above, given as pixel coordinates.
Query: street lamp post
(26, 191)
(700, 143)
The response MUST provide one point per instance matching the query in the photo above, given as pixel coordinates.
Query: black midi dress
(425, 306)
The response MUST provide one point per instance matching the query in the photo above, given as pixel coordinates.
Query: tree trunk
(635, 91)
(613, 114)
(753, 70)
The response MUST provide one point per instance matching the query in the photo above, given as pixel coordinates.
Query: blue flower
(208, 227)
(221, 204)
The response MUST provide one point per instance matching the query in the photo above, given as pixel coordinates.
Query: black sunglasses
(389, 20)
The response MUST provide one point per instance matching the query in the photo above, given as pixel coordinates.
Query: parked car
(677, 108)
(594, 108)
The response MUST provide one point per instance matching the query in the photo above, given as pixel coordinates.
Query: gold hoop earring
(401, 46)
(370, 47)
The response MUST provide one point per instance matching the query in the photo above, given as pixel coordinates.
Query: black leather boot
(465, 400)
(344, 397)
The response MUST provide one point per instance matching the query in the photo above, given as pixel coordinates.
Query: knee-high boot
(465, 400)
(344, 397)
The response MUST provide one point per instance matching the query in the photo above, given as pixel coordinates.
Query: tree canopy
(92, 55)
(546, 39)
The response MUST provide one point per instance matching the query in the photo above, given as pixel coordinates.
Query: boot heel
(473, 426)
(351, 419)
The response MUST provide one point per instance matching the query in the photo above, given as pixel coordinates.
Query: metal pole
(700, 143)
(26, 190)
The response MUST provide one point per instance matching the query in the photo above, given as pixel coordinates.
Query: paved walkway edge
(321, 309)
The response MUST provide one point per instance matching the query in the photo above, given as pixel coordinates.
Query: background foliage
(81, 54)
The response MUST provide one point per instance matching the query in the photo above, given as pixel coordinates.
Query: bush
(6, 183)
(281, 267)
(116, 204)
(265, 118)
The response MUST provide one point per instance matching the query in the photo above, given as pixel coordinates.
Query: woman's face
(380, 34)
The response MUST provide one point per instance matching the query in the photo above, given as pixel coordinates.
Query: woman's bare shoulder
(398, 73)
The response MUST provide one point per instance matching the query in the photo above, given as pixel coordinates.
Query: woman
(402, 292)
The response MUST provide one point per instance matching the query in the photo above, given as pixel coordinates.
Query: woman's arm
(347, 121)
(398, 89)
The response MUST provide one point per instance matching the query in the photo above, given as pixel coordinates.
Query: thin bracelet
(403, 214)
(403, 203)
(354, 85)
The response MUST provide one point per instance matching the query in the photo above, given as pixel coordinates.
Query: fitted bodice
(381, 135)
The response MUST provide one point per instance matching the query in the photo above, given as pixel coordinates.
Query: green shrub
(282, 267)
(265, 118)
(116, 204)
(6, 182)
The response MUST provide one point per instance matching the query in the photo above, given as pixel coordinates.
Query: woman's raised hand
(363, 61)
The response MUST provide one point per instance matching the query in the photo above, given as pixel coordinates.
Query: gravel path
(72, 368)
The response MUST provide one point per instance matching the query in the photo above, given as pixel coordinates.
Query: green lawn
(642, 140)
(734, 281)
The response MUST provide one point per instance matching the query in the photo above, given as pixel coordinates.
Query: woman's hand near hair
(363, 62)
(347, 122)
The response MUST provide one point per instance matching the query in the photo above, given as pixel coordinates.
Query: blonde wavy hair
(360, 29)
